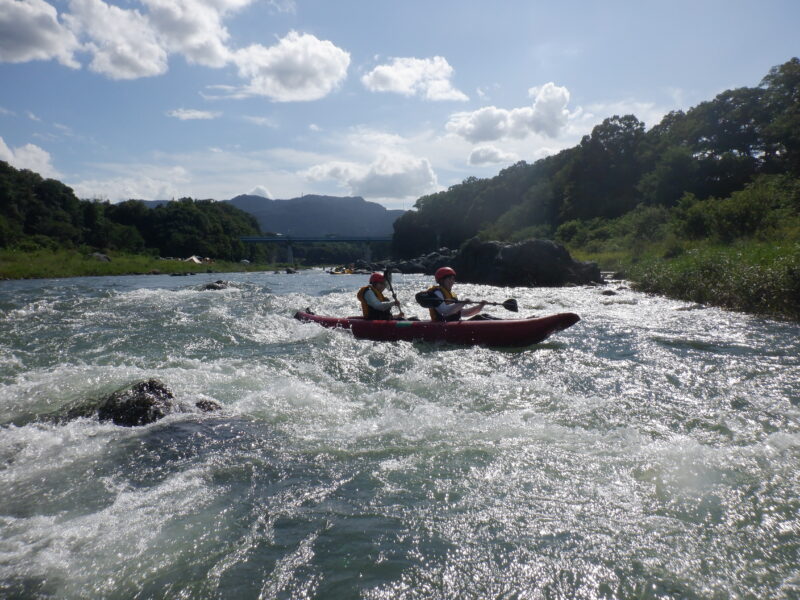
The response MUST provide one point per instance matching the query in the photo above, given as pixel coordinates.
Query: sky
(388, 100)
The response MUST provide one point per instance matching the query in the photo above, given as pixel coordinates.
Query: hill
(682, 167)
(319, 215)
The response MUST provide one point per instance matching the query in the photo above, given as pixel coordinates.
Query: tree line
(44, 213)
(726, 168)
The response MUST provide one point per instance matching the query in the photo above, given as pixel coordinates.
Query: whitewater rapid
(649, 451)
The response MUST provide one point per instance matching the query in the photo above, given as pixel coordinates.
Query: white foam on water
(643, 434)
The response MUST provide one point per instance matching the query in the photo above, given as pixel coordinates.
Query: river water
(650, 451)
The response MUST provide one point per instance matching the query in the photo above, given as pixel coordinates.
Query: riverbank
(755, 277)
(44, 264)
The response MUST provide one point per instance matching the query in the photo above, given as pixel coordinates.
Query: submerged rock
(208, 405)
(143, 403)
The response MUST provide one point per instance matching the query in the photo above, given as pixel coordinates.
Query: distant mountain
(319, 215)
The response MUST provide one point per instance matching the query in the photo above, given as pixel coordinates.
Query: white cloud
(426, 77)
(390, 175)
(193, 28)
(151, 182)
(547, 116)
(30, 157)
(30, 30)
(123, 43)
(485, 155)
(260, 190)
(300, 67)
(261, 121)
(646, 112)
(190, 114)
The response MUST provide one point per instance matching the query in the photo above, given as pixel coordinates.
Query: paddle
(387, 274)
(430, 300)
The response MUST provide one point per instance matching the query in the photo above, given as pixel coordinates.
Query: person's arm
(472, 311)
(373, 301)
(447, 308)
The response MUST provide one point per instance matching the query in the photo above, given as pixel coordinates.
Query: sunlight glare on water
(649, 451)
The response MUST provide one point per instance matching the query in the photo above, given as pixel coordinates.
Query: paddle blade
(388, 276)
(427, 299)
(511, 305)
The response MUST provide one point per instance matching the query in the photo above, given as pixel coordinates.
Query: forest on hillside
(44, 214)
(726, 169)
(38, 213)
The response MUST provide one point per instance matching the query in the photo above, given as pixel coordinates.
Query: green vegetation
(42, 263)
(46, 231)
(755, 277)
(705, 205)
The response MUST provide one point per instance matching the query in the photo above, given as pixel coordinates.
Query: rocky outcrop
(528, 263)
(143, 403)
(138, 404)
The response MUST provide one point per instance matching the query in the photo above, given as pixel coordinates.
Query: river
(649, 451)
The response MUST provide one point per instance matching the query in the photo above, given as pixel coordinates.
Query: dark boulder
(143, 403)
(217, 285)
(528, 263)
(409, 267)
(208, 405)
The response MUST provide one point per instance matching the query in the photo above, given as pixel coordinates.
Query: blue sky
(388, 100)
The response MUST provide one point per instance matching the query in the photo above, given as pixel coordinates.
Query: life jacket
(435, 316)
(369, 312)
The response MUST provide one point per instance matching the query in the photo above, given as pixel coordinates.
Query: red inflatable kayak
(506, 332)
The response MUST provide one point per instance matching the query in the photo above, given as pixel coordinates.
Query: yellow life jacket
(435, 316)
(369, 312)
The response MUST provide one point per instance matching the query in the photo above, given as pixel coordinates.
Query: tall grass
(756, 277)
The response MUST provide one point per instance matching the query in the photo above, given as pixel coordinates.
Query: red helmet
(443, 272)
(377, 278)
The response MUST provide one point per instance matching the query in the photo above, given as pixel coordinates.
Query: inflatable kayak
(505, 333)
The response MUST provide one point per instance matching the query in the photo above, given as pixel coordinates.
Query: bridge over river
(290, 240)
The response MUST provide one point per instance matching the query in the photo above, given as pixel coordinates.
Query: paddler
(453, 310)
(374, 304)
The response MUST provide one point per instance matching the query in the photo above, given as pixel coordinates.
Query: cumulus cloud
(425, 77)
(30, 157)
(129, 44)
(299, 67)
(486, 155)
(260, 190)
(547, 116)
(30, 30)
(193, 28)
(391, 175)
(190, 114)
(123, 43)
(150, 183)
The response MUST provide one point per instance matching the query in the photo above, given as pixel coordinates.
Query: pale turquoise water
(650, 451)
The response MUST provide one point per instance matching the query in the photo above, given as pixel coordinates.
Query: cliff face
(319, 215)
